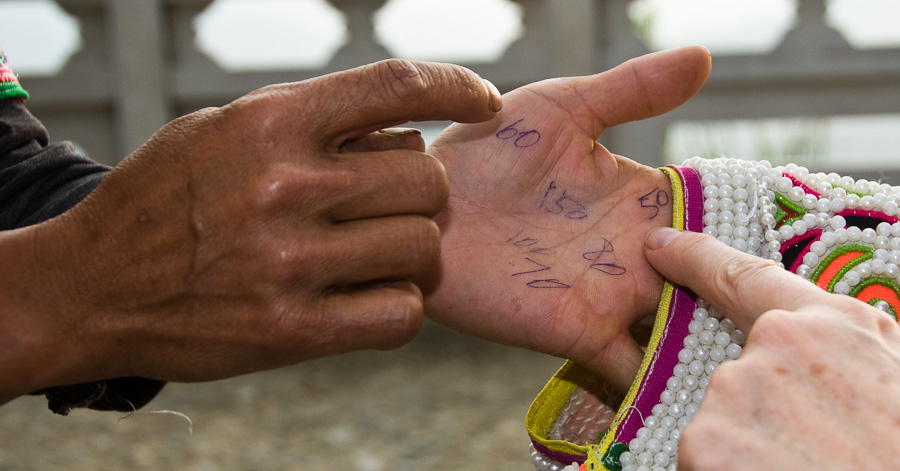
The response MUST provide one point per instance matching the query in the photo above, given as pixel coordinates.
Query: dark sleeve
(38, 181)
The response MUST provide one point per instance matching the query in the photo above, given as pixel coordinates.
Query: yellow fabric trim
(548, 404)
(662, 316)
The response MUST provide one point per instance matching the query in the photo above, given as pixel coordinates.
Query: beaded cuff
(9, 82)
(843, 235)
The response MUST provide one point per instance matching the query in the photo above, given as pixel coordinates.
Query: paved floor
(444, 402)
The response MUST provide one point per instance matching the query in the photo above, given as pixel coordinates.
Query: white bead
(841, 236)
(852, 200)
(651, 422)
(676, 410)
(673, 384)
(774, 246)
(804, 270)
(708, 180)
(822, 219)
(644, 433)
(690, 410)
(841, 288)
(723, 179)
(867, 202)
(653, 446)
(881, 242)
(711, 230)
(681, 397)
(661, 459)
(680, 371)
(685, 355)
(891, 270)
(787, 232)
(741, 194)
(660, 411)
(864, 270)
(627, 458)
(739, 244)
(725, 204)
(738, 337)
(734, 350)
(827, 238)
(683, 422)
(698, 395)
(691, 342)
(727, 325)
(711, 367)
(722, 339)
(883, 228)
(852, 278)
(772, 234)
(725, 229)
(690, 383)
(741, 232)
(696, 368)
(717, 353)
(868, 235)
(861, 186)
(877, 266)
(810, 259)
(704, 382)
(890, 208)
(854, 233)
(809, 201)
(670, 446)
(767, 220)
(710, 323)
(636, 445)
(695, 327)
(711, 219)
(799, 227)
(784, 185)
(818, 247)
(706, 338)
(724, 239)
(726, 191)
(644, 460)
(809, 219)
(701, 353)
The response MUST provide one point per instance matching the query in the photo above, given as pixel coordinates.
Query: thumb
(743, 285)
(640, 88)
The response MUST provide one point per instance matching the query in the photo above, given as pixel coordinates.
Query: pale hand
(544, 230)
(817, 384)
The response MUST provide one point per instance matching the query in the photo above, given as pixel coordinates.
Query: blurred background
(816, 82)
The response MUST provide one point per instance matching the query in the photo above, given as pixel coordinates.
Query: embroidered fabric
(839, 233)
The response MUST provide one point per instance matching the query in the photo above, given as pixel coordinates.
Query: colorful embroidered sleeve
(9, 82)
(839, 233)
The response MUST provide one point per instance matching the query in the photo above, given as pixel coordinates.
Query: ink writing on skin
(518, 137)
(654, 200)
(558, 201)
(603, 260)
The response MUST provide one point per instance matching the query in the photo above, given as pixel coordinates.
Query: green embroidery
(611, 458)
(12, 90)
(784, 207)
(840, 252)
(875, 280)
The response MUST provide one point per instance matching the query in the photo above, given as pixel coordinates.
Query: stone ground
(443, 402)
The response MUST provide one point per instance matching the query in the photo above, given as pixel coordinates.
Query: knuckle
(402, 78)
(736, 272)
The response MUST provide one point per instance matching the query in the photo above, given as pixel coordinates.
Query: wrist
(37, 335)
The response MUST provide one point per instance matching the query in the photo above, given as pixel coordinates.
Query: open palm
(544, 230)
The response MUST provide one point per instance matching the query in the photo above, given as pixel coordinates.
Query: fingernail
(496, 103)
(396, 132)
(659, 238)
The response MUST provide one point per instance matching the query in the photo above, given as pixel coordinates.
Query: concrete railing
(138, 68)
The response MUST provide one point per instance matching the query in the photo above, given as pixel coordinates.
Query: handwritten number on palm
(543, 234)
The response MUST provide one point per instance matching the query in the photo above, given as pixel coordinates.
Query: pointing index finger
(743, 285)
(395, 91)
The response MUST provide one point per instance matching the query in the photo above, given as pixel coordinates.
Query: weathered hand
(544, 230)
(817, 383)
(265, 232)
